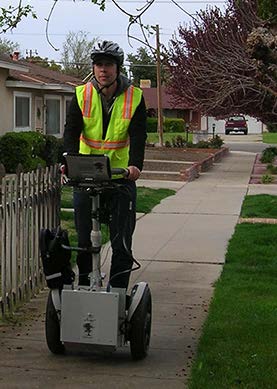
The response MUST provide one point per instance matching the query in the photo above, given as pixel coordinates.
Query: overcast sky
(110, 24)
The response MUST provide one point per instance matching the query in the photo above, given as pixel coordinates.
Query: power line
(158, 1)
(58, 34)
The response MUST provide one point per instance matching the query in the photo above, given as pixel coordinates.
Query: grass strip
(237, 348)
(260, 206)
(153, 137)
(269, 137)
(148, 198)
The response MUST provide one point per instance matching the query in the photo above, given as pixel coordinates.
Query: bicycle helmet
(108, 49)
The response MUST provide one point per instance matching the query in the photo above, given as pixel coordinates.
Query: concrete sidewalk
(181, 247)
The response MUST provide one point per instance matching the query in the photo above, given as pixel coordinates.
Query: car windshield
(236, 118)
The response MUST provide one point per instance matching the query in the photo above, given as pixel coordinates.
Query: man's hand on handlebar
(134, 173)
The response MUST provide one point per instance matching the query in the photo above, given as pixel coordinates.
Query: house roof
(7, 63)
(168, 101)
(30, 75)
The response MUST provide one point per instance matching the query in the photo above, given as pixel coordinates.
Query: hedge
(272, 127)
(169, 125)
(29, 149)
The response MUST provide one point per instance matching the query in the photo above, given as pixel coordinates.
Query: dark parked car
(236, 124)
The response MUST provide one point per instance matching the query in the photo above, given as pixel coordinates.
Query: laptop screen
(87, 168)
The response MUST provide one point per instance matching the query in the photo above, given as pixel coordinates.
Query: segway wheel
(140, 327)
(52, 328)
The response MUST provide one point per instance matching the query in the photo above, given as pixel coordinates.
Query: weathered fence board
(28, 202)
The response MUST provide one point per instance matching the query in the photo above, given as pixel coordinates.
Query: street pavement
(181, 246)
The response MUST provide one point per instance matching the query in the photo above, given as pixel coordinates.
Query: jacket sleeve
(137, 134)
(73, 127)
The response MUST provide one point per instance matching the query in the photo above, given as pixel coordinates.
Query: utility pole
(159, 88)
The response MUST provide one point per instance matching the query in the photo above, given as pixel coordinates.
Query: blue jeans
(122, 205)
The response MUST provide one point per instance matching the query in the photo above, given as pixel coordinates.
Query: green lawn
(153, 137)
(262, 205)
(238, 346)
(270, 137)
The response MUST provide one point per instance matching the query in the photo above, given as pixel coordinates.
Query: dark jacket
(137, 128)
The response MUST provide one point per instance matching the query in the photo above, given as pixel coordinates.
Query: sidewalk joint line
(181, 261)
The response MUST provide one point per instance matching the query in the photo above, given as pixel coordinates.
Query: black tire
(226, 132)
(140, 327)
(52, 328)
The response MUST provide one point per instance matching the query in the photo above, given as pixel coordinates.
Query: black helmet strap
(106, 86)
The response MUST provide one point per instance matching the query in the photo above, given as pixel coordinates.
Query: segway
(94, 315)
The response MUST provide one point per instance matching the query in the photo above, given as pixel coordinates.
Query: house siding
(34, 95)
(6, 107)
(39, 84)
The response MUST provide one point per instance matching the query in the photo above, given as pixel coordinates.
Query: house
(171, 109)
(197, 122)
(33, 97)
(255, 126)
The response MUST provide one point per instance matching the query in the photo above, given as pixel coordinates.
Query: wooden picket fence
(28, 202)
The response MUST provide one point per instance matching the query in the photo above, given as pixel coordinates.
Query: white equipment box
(91, 317)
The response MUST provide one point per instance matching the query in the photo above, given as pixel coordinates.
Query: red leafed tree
(225, 63)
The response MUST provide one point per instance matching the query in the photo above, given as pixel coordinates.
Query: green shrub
(14, 150)
(216, 142)
(268, 154)
(271, 168)
(202, 144)
(267, 178)
(152, 124)
(36, 140)
(272, 127)
(60, 150)
(53, 151)
(169, 125)
(29, 149)
(179, 141)
(50, 153)
(174, 125)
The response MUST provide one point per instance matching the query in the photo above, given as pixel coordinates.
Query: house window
(53, 115)
(22, 111)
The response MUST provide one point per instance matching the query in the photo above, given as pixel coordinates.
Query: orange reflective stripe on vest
(108, 145)
(87, 99)
(128, 101)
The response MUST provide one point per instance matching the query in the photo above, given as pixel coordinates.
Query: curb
(254, 220)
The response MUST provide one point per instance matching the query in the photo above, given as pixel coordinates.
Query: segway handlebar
(120, 171)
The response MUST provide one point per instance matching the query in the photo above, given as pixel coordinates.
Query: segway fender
(56, 298)
(136, 295)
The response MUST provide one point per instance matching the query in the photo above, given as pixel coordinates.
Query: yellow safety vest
(116, 142)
